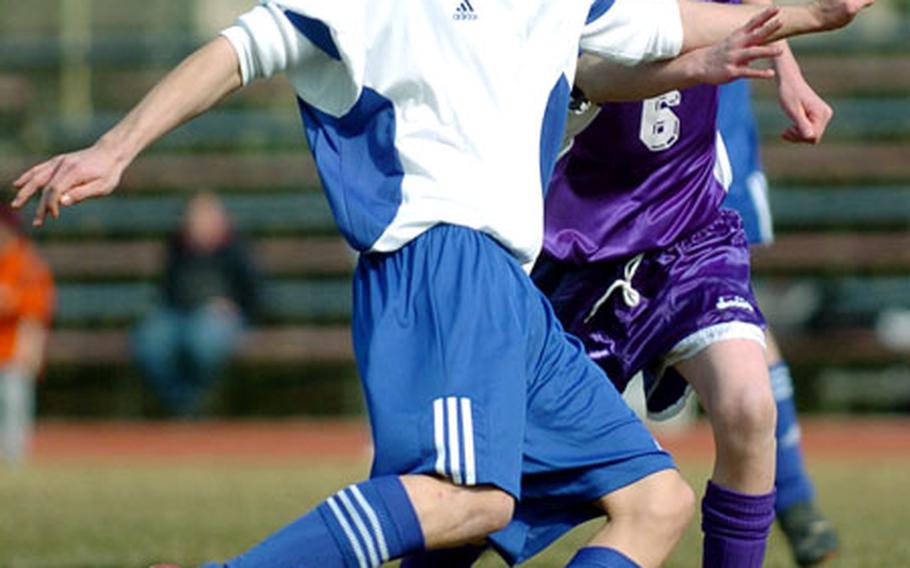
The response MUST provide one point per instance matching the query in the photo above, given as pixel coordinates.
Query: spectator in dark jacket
(210, 291)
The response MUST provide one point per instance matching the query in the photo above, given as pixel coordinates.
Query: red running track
(348, 440)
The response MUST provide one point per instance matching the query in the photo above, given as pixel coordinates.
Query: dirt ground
(343, 440)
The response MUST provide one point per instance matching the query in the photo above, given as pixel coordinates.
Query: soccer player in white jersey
(435, 127)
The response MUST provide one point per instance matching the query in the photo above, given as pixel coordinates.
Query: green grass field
(104, 517)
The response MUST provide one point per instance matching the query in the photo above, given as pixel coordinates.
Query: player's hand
(809, 113)
(730, 59)
(68, 179)
(834, 14)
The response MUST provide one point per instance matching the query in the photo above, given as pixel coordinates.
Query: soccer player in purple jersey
(642, 263)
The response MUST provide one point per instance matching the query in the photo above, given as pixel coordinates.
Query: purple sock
(736, 527)
(601, 557)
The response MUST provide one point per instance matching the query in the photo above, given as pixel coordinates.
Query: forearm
(196, 85)
(706, 23)
(785, 65)
(604, 81)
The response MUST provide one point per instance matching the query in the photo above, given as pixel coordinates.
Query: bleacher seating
(842, 208)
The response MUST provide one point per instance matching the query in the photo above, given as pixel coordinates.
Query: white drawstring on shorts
(629, 294)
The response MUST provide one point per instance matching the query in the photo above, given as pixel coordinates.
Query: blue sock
(600, 557)
(791, 482)
(362, 525)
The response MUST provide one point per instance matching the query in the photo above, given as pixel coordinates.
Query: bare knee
(731, 378)
(745, 416)
(662, 503)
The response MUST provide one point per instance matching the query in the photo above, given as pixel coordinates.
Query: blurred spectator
(210, 290)
(26, 303)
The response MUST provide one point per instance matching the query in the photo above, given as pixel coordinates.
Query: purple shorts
(651, 311)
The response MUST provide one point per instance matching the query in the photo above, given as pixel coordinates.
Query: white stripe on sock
(467, 428)
(361, 527)
(454, 446)
(346, 527)
(374, 521)
(439, 434)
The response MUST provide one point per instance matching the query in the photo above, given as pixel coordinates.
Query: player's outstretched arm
(197, 84)
(706, 23)
(808, 112)
(603, 80)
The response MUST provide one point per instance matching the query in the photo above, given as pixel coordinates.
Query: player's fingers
(804, 126)
(763, 34)
(747, 55)
(68, 175)
(25, 193)
(813, 134)
(31, 181)
(746, 72)
(762, 18)
(793, 135)
(40, 211)
(819, 129)
(23, 179)
(820, 121)
(50, 198)
(80, 193)
(44, 168)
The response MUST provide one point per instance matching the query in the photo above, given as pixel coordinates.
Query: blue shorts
(748, 193)
(651, 311)
(469, 376)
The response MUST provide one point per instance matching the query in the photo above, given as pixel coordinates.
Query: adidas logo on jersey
(464, 12)
(734, 302)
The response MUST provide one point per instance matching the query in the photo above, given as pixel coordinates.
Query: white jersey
(421, 112)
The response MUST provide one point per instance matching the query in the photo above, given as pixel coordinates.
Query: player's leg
(378, 520)
(811, 536)
(707, 314)
(586, 455)
(646, 518)
(731, 380)
(445, 380)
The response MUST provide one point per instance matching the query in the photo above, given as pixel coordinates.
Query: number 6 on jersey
(659, 126)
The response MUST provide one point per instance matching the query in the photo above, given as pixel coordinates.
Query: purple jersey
(641, 176)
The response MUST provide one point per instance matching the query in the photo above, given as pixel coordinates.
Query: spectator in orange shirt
(26, 302)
